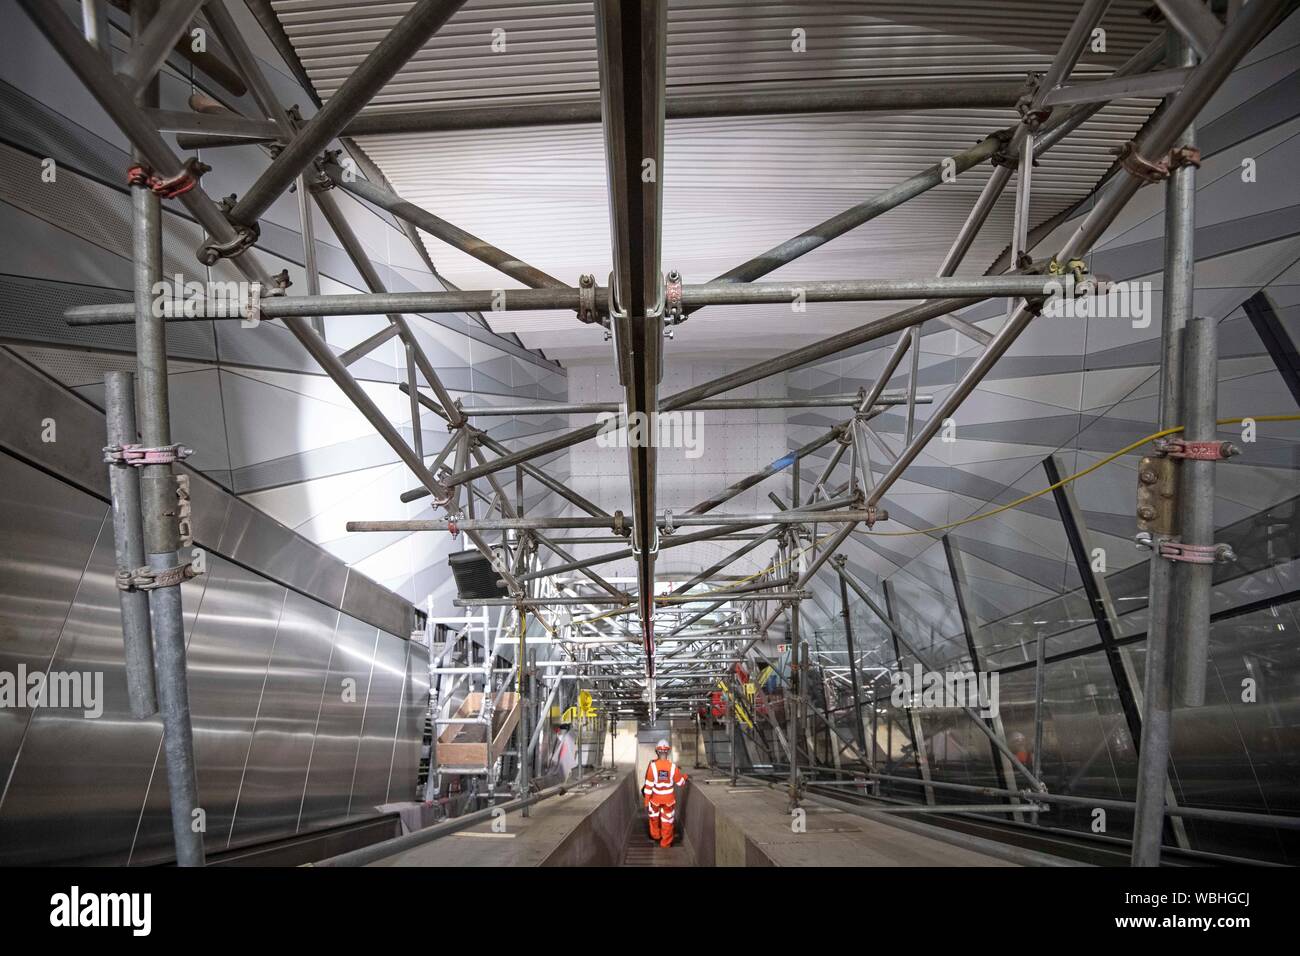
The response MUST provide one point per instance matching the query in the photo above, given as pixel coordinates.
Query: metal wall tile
(76, 792)
(46, 537)
(379, 728)
(251, 538)
(270, 796)
(342, 710)
(410, 726)
(228, 654)
(364, 599)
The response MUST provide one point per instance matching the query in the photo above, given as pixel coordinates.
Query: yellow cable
(1074, 477)
(976, 517)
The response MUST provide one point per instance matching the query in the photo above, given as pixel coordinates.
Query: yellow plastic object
(741, 714)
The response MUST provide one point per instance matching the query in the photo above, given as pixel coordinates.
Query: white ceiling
(732, 187)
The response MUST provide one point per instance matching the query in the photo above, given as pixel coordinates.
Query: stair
(639, 851)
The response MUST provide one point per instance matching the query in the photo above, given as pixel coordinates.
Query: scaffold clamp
(673, 313)
(140, 455)
(1197, 553)
(1197, 450)
(149, 579)
(245, 237)
(168, 187)
(1154, 171)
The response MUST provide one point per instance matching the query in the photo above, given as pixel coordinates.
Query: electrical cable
(1132, 446)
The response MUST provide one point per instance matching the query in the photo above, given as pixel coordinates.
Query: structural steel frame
(638, 305)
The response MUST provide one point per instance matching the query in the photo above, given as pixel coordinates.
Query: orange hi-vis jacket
(661, 780)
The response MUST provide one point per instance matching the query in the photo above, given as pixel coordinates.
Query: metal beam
(1160, 137)
(1119, 88)
(897, 632)
(1098, 596)
(1194, 21)
(716, 404)
(776, 467)
(631, 50)
(1264, 319)
(753, 373)
(877, 205)
(440, 228)
(89, 67)
(566, 297)
(149, 50)
(420, 22)
(908, 98)
(578, 521)
(158, 489)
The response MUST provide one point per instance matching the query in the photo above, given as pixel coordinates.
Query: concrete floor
(832, 837)
(746, 824)
(526, 841)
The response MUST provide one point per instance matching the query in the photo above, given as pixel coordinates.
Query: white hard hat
(662, 745)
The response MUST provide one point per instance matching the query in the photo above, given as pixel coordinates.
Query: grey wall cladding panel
(228, 654)
(77, 453)
(46, 133)
(342, 710)
(222, 523)
(76, 793)
(251, 539)
(364, 599)
(378, 732)
(410, 726)
(77, 789)
(46, 537)
(271, 794)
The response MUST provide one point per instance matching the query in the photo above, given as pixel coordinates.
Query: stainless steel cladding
(304, 715)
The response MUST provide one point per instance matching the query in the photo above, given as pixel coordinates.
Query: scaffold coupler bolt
(587, 299)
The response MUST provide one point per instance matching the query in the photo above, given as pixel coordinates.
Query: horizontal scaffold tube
(908, 98)
(602, 600)
(218, 303)
(580, 521)
(667, 541)
(846, 400)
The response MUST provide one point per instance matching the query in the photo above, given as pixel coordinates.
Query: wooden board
(465, 745)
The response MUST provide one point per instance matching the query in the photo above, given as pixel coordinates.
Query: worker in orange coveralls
(662, 778)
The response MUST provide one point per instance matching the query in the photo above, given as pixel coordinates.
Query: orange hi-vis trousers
(662, 816)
